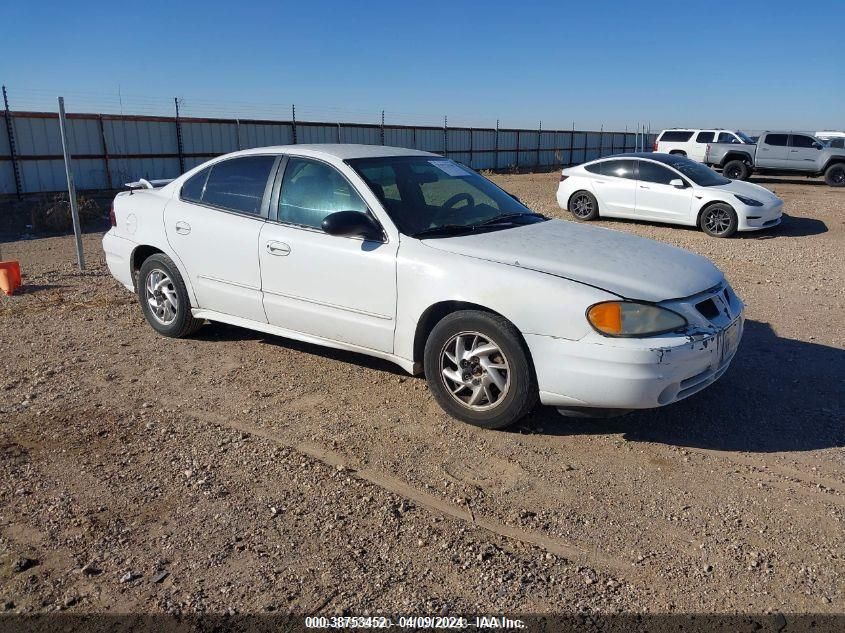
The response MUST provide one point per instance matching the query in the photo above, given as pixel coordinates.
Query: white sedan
(410, 257)
(667, 188)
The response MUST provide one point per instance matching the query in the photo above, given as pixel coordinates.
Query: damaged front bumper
(642, 373)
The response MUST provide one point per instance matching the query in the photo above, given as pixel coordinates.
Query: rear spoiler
(143, 183)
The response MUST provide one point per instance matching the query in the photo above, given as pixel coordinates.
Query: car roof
(342, 151)
(666, 159)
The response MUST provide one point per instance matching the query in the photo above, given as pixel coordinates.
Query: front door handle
(183, 228)
(643, 187)
(277, 248)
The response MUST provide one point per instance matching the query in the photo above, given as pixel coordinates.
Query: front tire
(583, 206)
(164, 298)
(718, 220)
(835, 175)
(479, 370)
(736, 170)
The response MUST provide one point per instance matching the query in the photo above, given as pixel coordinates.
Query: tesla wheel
(583, 206)
(479, 369)
(718, 220)
(835, 175)
(736, 170)
(164, 298)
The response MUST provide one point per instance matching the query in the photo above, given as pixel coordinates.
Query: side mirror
(677, 183)
(352, 224)
(515, 198)
(818, 145)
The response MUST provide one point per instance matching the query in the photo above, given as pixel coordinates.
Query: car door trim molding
(229, 282)
(325, 304)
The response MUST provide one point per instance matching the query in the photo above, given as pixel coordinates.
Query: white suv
(692, 143)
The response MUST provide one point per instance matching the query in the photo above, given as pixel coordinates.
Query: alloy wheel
(582, 206)
(474, 370)
(161, 296)
(718, 221)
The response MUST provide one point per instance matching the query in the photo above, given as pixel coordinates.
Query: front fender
(535, 302)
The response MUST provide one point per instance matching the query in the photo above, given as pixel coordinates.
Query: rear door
(772, 151)
(803, 152)
(699, 145)
(657, 199)
(213, 226)
(616, 187)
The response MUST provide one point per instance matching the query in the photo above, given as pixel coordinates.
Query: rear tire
(736, 170)
(718, 220)
(164, 298)
(479, 369)
(583, 206)
(835, 175)
(678, 152)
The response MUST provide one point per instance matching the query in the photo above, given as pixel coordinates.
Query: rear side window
(594, 168)
(618, 168)
(837, 143)
(727, 137)
(192, 189)
(703, 137)
(776, 139)
(238, 184)
(676, 136)
(652, 172)
(313, 190)
(799, 140)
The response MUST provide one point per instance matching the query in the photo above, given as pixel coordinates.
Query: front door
(657, 199)
(213, 226)
(803, 152)
(336, 288)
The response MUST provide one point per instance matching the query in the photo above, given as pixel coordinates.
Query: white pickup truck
(780, 153)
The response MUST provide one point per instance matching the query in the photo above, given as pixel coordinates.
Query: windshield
(700, 174)
(431, 196)
(745, 138)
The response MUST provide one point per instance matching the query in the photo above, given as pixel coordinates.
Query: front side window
(428, 196)
(312, 190)
(727, 137)
(699, 173)
(799, 140)
(237, 184)
(705, 137)
(652, 172)
(779, 140)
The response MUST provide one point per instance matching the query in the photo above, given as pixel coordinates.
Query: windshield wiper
(447, 229)
(508, 216)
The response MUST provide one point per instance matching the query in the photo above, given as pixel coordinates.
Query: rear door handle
(643, 187)
(277, 248)
(183, 228)
(601, 182)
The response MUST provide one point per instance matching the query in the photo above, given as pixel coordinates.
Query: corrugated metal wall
(109, 150)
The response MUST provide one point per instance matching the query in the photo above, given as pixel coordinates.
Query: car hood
(749, 189)
(629, 266)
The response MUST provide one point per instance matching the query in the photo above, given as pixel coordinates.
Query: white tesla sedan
(413, 258)
(666, 188)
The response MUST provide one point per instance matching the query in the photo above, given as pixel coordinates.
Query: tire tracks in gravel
(400, 488)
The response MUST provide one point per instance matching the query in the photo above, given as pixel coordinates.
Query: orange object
(607, 317)
(10, 276)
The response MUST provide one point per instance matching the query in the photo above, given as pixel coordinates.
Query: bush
(56, 216)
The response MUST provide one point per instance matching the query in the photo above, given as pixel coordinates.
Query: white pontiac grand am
(666, 188)
(410, 257)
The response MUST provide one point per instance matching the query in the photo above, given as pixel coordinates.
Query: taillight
(563, 177)
(654, 147)
(112, 217)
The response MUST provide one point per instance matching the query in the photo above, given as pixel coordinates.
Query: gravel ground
(237, 472)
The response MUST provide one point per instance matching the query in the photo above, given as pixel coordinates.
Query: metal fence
(111, 149)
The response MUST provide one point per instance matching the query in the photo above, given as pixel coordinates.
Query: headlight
(751, 202)
(627, 318)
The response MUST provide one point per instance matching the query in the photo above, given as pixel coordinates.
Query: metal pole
(293, 117)
(238, 132)
(601, 140)
(10, 131)
(539, 135)
(105, 151)
(71, 189)
(445, 136)
(497, 144)
(179, 145)
(470, 148)
(381, 129)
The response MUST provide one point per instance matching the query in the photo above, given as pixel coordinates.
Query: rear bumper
(118, 251)
(630, 373)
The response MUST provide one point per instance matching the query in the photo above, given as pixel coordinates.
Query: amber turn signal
(606, 317)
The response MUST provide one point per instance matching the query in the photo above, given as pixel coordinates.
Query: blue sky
(752, 65)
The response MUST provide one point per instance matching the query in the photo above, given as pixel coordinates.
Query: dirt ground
(235, 472)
